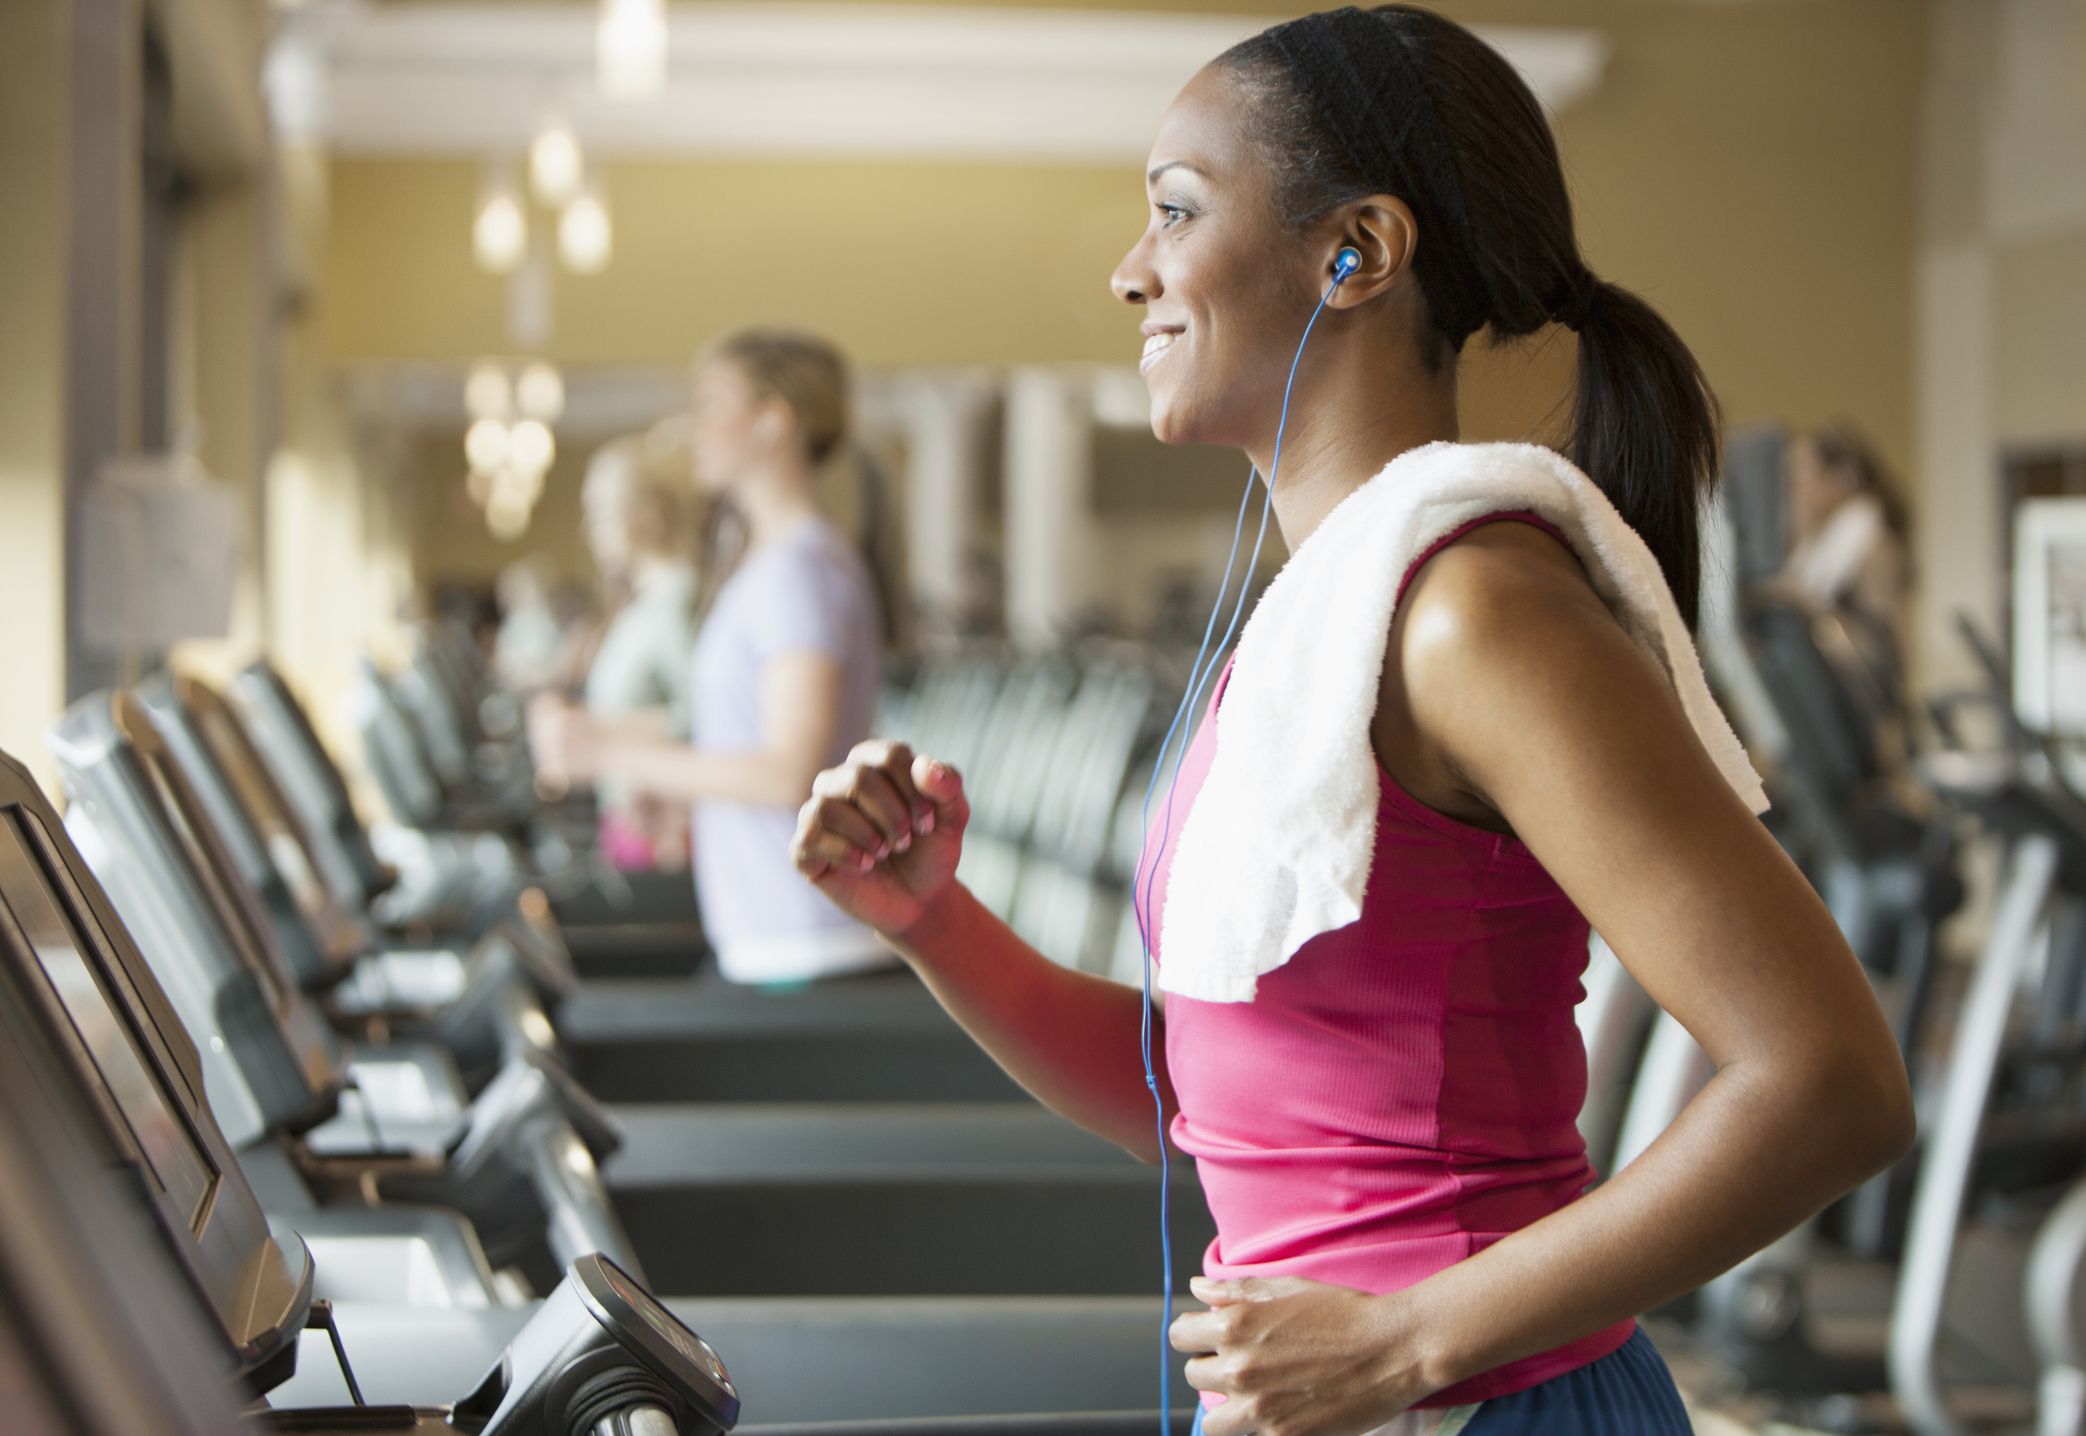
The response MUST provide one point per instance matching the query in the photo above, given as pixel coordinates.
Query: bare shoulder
(1500, 631)
(1504, 590)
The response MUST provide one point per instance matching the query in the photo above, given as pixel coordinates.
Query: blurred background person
(786, 667)
(1849, 569)
(639, 521)
(1850, 540)
(529, 646)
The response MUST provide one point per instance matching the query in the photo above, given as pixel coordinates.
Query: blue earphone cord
(1198, 678)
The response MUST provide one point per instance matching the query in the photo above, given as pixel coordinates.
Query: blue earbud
(1346, 262)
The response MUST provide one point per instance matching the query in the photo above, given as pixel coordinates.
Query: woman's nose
(1133, 281)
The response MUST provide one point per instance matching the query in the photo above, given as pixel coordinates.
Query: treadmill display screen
(693, 1347)
(234, 754)
(173, 1159)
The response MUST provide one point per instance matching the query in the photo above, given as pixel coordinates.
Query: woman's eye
(1172, 214)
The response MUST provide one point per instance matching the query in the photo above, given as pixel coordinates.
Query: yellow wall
(1750, 168)
(33, 61)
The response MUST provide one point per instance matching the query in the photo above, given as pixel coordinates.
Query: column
(1048, 474)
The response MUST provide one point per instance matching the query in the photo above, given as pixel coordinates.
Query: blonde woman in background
(786, 664)
(530, 646)
(640, 526)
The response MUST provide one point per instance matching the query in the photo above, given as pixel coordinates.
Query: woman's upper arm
(1519, 676)
(800, 709)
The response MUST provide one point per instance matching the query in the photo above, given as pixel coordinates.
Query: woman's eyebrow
(1152, 177)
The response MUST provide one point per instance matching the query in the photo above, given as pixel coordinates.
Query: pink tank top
(1404, 1091)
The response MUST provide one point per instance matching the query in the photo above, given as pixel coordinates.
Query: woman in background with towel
(1385, 1131)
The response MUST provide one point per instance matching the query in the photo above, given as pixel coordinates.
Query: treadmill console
(100, 1333)
(603, 1347)
(179, 1173)
(250, 814)
(280, 1066)
(283, 731)
(88, 994)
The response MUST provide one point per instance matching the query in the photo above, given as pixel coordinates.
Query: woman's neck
(774, 501)
(1346, 422)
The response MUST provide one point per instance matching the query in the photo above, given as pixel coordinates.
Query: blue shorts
(1628, 1392)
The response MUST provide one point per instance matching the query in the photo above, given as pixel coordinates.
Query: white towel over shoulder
(1283, 833)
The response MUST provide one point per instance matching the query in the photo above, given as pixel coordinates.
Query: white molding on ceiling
(834, 80)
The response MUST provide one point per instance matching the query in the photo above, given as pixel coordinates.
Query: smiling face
(1225, 285)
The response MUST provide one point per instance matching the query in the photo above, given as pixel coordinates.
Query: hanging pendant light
(540, 393)
(500, 234)
(586, 238)
(556, 163)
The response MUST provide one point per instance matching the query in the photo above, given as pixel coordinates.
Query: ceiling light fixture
(500, 234)
(508, 519)
(541, 393)
(630, 47)
(487, 394)
(487, 444)
(586, 238)
(530, 446)
(555, 163)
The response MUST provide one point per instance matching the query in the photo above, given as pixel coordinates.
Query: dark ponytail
(1399, 100)
(1645, 428)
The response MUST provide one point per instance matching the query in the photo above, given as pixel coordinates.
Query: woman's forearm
(1748, 1159)
(1070, 1038)
(673, 771)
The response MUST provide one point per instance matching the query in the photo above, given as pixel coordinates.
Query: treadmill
(866, 1039)
(1035, 1204)
(878, 1360)
(483, 1007)
(96, 1085)
(519, 1159)
(72, 1293)
(451, 888)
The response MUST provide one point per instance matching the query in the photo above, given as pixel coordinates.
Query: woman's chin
(1172, 423)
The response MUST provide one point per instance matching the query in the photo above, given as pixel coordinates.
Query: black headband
(1359, 75)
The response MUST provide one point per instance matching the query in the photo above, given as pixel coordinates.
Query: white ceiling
(1025, 86)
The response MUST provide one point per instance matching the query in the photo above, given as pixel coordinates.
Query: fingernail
(883, 850)
(927, 823)
(905, 842)
(866, 863)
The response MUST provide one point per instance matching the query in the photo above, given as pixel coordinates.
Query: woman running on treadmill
(641, 532)
(786, 671)
(1385, 1131)
(1850, 545)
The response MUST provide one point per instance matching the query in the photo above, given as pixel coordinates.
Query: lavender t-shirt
(807, 591)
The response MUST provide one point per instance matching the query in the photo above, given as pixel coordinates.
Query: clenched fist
(881, 834)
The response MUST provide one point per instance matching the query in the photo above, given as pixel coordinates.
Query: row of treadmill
(318, 1128)
(310, 1128)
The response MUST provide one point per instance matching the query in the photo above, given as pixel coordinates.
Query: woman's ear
(772, 424)
(1382, 231)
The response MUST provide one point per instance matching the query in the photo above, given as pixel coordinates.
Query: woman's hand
(881, 834)
(1300, 1358)
(561, 742)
